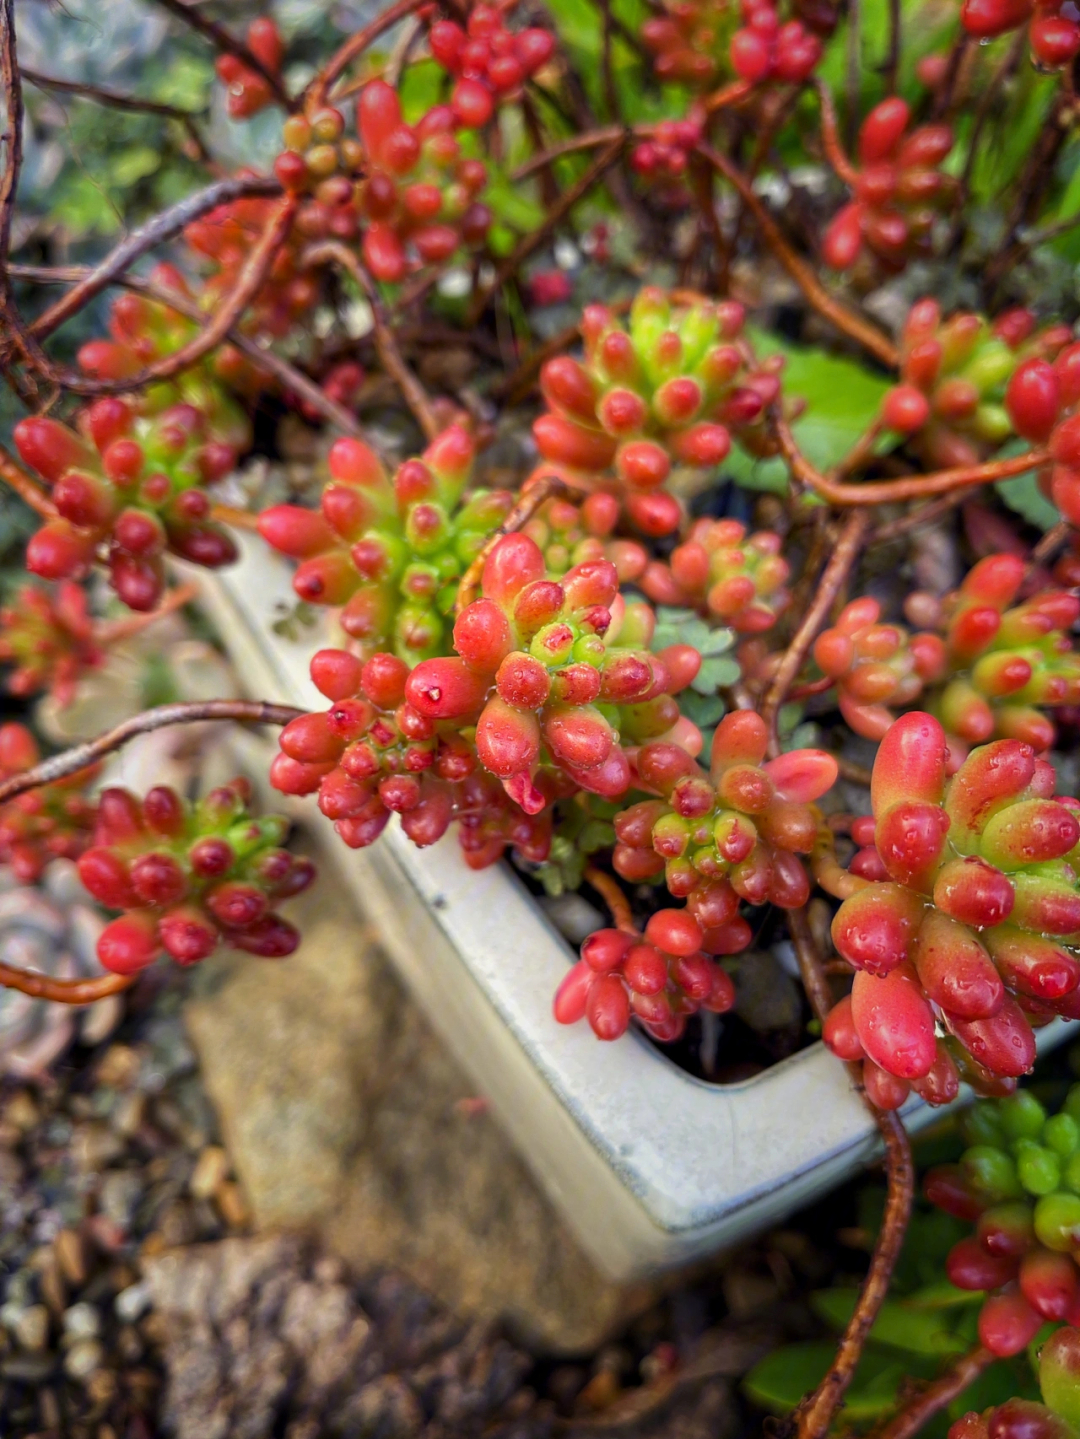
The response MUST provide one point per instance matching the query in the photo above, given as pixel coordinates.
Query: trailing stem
(816, 1413)
(82, 756)
(936, 1396)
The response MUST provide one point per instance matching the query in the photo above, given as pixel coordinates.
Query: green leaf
(915, 1331)
(715, 673)
(704, 710)
(131, 166)
(1023, 495)
(780, 1380)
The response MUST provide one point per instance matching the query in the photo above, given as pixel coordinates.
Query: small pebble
(71, 1256)
(31, 1328)
(121, 1190)
(82, 1321)
(232, 1206)
(131, 1303)
(83, 1358)
(21, 1111)
(209, 1173)
(119, 1066)
(94, 1145)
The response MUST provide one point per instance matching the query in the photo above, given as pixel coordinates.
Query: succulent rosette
(668, 389)
(190, 876)
(720, 570)
(1017, 1184)
(549, 673)
(733, 833)
(390, 552)
(975, 933)
(133, 487)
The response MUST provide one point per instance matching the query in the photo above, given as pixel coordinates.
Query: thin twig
(534, 493)
(938, 1395)
(836, 572)
(249, 282)
(273, 364)
(830, 137)
(913, 487)
(846, 321)
(25, 486)
(12, 141)
(525, 247)
(230, 515)
(157, 231)
(816, 1412)
(63, 991)
(314, 96)
(922, 515)
(854, 70)
(613, 897)
(891, 68)
(219, 37)
(111, 632)
(393, 362)
(827, 870)
(1056, 536)
(82, 756)
(114, 100)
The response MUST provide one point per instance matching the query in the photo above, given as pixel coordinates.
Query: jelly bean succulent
(1017, 1184)
(1057, 1417)
(899, 190)
(642, 485)
(132, 486)
(390, 552)
(668, 389)
(189, 877)
(970, 937)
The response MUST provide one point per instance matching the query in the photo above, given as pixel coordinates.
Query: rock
(209, 1173)
(121, 1190)
(81, 1321)
(338, 1107)
(71, 1256)
(83, 1358)
(133, 1302)
(30, 1327)
(261, 1338)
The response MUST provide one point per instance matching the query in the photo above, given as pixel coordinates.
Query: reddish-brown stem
(273, 364)
(115, 100)
(830, 137)
(230, 515)
(574, 145)
(815, 1414)
(111, 632)
(1056, 536)
(827, 870)
(192, 14)
(25, 486)
(836, 572)
(249, 282)
(315, 95)
(913, 487)
(567, 200)
(63, 991)
(82, 756)
(727, 96)
(157, 231)
(534, 492)
(393, 361)
(936, 1396)
(923, 515)
(846, 321)
(613, 897)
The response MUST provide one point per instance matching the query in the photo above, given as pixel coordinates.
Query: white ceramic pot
(651, 1167)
